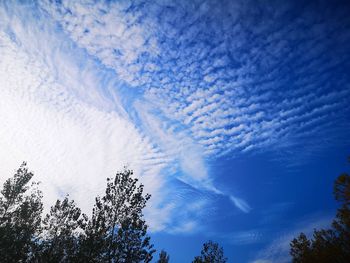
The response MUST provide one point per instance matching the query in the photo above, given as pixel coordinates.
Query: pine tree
(211, 253)
(328, 245)
(301, 249)
(20, 217)
(117, 231)
(163, 257)
(62, 230)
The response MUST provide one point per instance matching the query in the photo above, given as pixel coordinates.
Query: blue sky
(234, 114)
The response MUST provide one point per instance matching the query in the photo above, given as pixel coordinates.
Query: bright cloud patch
(56, 114)
(233, 89)
(166, 88)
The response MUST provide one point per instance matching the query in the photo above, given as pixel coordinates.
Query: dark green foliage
(328, 245)
(163, 257)
(117, 231)
(301, 249)
(321, 248)
(211, 253)
(94, 242)
(62, 228)
(20, 217)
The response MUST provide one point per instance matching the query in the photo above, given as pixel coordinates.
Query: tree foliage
(328, 245)
(62, 229)
(163, 257)
(20, 217)
(116, 231)
(211, 253)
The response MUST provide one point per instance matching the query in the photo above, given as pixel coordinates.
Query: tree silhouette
(211, 253)
(328, 245)
(20, 217)
(163, 257)
(62, 228)
(117, 231)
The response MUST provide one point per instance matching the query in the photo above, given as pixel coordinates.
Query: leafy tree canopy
(163, 257)
(328, 245)
(20, 217)
(116, 232)
(211, 253)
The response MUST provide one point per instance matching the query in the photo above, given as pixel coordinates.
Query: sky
(233, 114)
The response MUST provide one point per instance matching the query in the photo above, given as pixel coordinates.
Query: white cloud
(55, 116)
(241, 204)
(190, 156)
(61, 136)
(109, 32)
(201, 93)
(62, 113)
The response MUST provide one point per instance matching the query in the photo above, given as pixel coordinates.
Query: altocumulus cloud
(222, 80)
(165, 87)
(63, 115)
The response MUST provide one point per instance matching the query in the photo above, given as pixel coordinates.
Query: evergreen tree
(301, 249)
(211, 253)
(328, 245)
(62, 228)
(20, 217)
(117, 231)
(163, 257)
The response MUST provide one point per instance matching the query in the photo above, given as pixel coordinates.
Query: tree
(163, 257)
(62, 228)
(328, 245)
(117, 231)
(301, 249)
(20, 217)
(341, 224)
(211, 253)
